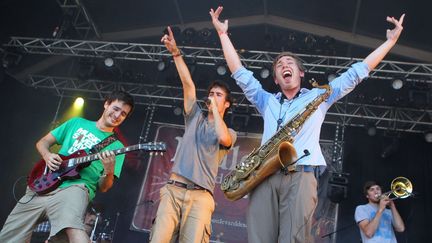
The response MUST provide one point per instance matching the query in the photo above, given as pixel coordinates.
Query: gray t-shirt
(384, 232)
(200, 153)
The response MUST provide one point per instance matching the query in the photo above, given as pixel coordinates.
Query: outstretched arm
(231, 56)
(189, 93)
(373, 59)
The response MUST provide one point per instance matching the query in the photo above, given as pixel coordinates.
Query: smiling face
(115, 113)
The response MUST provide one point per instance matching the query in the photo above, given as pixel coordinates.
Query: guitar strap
(107, 141)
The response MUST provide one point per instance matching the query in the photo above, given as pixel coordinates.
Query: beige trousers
(183, 216)
(281, 209)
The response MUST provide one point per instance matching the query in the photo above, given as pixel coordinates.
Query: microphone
(285, 168)
(207, 101)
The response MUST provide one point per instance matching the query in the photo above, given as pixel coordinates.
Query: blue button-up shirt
(269, 107)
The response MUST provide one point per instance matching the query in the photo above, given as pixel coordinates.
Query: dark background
(27, 113)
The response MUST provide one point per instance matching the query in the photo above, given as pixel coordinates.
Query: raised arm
(189, 93)
(231, 56)
(373, 59)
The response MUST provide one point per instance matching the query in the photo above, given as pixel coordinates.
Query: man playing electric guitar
(65, 206)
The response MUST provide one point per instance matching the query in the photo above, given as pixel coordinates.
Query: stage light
(79, 103)
(205, 34)
(162, 65)
(291, 39)
(428, 136)
(397, 83)
(109, 62)
(371, 129)
(221, 69)
(264, 73)
(177, 110)
(310, 42)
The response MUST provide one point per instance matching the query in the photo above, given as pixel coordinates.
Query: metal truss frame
(81, 20)
(342, 113)
(316, 64)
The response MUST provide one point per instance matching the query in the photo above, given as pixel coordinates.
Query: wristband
(222, 33)
(176, 53)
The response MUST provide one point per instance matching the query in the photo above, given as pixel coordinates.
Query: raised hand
(396, 31)
(219, 26)
(169, 42)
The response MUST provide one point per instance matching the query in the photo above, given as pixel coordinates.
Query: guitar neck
(93, 157)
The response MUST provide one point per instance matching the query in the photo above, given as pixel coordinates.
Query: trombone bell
(400, 187)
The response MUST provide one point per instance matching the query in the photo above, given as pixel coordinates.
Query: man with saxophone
(281, 207)
(376, 222)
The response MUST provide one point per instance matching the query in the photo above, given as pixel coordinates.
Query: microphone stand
(338, 230)
(115, 226)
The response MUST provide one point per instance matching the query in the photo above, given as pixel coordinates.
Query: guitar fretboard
(92, 157)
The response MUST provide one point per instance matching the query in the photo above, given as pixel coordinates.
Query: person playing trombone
(377, 222)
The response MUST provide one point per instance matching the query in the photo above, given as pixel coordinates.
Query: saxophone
(278, 152)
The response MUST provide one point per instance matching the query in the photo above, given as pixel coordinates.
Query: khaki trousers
(64, 207)
(281, 209)
(183, 216)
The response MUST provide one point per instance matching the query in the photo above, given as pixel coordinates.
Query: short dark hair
(297, 59)
(368, 185)
(224, 86)
(121, 96)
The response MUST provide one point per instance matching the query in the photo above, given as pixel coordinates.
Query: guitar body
(44, 183)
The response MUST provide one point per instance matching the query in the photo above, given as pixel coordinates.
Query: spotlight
(428, 136)
(109, 62)
(264, 73)
(79, 103)
(205, 34)
(310, 42)
(397, 83)
(291, 39)
(177, 110)
(188, 35)
(162, 65)
(331, 75)
(221, 69)
(371, 129)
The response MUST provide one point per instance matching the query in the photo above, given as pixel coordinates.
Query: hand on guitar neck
(108, 161)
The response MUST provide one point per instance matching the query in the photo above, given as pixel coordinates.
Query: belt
(305, 168)
(185, 185)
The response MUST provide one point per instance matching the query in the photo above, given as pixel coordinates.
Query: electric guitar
(41, 180)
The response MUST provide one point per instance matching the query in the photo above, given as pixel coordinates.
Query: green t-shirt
(81, 134)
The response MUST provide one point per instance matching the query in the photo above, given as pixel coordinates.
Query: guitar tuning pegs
(151, 153)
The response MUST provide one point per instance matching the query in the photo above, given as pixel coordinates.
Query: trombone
(400, 187)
